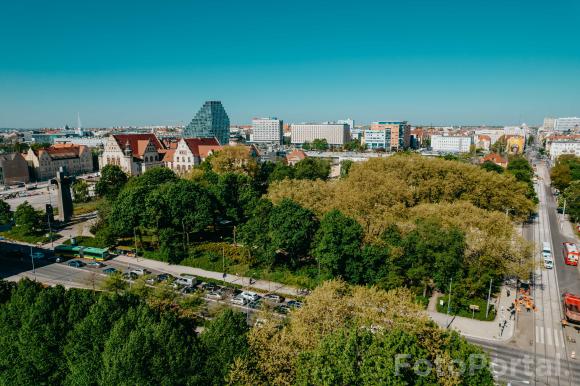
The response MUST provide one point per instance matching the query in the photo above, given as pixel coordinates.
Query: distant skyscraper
(210, 121)
(549, 123)
(267, 130)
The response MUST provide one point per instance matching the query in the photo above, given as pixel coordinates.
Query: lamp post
(32, 260)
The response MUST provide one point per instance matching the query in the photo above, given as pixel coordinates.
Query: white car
(214, 295)
(140, 271)
(239, 300)
(249, 296)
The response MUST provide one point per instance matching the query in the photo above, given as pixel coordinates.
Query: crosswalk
(549, 336)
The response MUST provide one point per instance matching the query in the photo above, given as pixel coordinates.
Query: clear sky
(156, 62)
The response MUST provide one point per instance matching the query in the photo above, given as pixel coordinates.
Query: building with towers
(209, 122)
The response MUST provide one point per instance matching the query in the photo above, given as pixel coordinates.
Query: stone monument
(63, 183)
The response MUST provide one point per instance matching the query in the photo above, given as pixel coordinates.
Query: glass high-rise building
(210, 121)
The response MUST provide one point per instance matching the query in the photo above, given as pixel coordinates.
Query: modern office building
(335, 134)
(209, 122)
(267, 130)
(451, 144)
(348, 121)
(567, 124)
(388, 135)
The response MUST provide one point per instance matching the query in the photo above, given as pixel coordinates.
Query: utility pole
(449, 301)
(32, 259)
(488, 298)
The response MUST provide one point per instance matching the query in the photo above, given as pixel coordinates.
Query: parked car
(214, 295)
(188, 290)
(273, 298)
(255, 304)
(165, 276)
(208, 286)
(239, 300)
(130, 275)
(141, 271)
(250, 296)
(282, 309)
(76, 263)
(187, 281)
(95, 264)
(294, 304)
(109, 271)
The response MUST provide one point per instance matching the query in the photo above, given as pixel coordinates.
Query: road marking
(540, 334)
(556, 338)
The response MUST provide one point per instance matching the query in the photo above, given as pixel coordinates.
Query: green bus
(78, 251)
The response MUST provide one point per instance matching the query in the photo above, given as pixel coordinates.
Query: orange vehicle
(571, 254)
(571, 305)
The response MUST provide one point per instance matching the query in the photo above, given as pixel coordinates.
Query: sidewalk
(177, 270)
(476, 328)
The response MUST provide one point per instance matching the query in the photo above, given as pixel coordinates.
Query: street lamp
(32, 260)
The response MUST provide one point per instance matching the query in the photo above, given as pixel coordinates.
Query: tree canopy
(112, 180)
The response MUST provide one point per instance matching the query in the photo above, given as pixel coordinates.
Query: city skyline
(441, 64)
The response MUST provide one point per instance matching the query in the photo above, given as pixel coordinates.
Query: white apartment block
(335, 134)
(559, 148)
(267, 130)
(451, 144)
(493, 133)
(567, 124)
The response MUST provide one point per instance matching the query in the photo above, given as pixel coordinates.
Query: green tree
(112, 180)
(311, 168)
(28, 220)
(5, 212)
(281, 171)
(345, 166)
(291, 228)
(80, 190)
(337, 242)
(154, 177)
(566, 170)
(320, 144)
(224, 340)
(572, 197)
(252, 233)
(492, 167)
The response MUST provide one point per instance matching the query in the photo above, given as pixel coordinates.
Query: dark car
(282, 309)
(110, 271)
(294, 304)
(76, 263)
(255, 304)
(188, 290)
(164, 277)
(130, 275)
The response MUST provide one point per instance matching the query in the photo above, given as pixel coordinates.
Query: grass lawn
(86, 207)
(32, 239)
(466, 312)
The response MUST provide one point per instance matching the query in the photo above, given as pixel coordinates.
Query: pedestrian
(508, 293)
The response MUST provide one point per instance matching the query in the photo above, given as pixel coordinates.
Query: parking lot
(84, 273)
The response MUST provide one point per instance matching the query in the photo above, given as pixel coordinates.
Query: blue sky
(156, 62)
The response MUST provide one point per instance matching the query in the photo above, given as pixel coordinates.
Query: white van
(546, 250)
(547, 255)
(186, 280)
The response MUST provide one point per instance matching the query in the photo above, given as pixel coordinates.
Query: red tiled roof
(168, 156)
(296, 154)
(135, 144)
(495, 158)
(198, 146)
(484, 137)
(62, 151)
